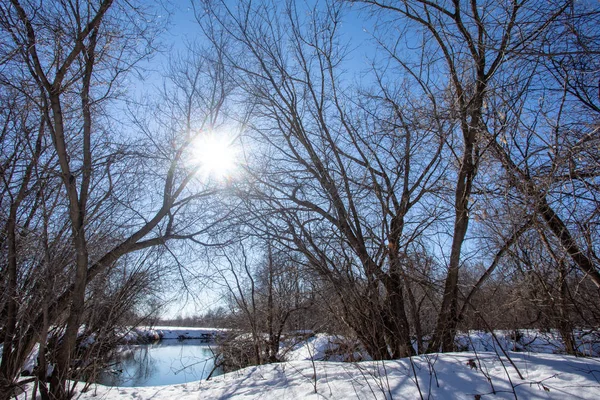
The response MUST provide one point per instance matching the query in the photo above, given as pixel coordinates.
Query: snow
(530, 340)
(436, 376)
(167, 332)
(323, 347)
(31, 361)
(535, 370)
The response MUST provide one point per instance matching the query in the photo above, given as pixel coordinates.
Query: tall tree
(122, 191)
(341, 180)
(479, 46)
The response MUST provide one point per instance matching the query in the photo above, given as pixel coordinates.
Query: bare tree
(483, 49)
(341, 178)
(265, 288)
(74, 56)
(359, 180)
(23, 147)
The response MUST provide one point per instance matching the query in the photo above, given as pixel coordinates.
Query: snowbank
(529, 340)
(480, 372)
(323, 347)
(146, 333)
(440, 376)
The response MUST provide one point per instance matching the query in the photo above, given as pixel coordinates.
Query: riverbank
(146, 334)
(467, 375)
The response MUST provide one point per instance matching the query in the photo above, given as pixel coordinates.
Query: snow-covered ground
(529, 340)
(324, 347)
(169, 332)
(437, 376)
(531, 368)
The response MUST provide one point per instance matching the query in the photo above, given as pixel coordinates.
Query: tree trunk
(564, 322)
(397, 324)
(445, 330)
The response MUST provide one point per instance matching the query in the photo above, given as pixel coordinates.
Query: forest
(392, 171)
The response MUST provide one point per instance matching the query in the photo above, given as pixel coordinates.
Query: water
(165, 363)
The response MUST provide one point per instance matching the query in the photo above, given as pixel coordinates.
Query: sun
(216, 155)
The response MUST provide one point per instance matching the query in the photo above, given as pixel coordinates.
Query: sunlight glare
(216, 156)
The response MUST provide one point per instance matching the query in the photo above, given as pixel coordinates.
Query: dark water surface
(167, 362)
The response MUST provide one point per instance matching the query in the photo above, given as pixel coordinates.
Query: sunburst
(216, 155)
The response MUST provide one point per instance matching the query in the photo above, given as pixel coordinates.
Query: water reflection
(165, 363)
